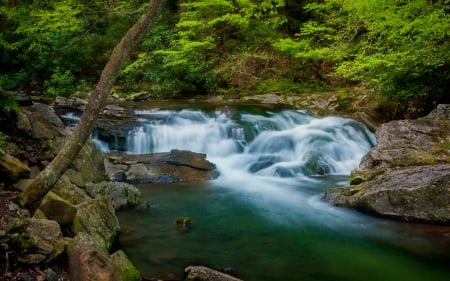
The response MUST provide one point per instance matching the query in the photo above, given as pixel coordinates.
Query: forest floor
(10, 268)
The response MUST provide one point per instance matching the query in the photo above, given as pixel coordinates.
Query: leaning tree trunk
(33, 195)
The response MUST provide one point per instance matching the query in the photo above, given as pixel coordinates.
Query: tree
(33, 195)
(399, 48)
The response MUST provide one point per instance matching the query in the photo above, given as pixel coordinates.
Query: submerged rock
(406, 176)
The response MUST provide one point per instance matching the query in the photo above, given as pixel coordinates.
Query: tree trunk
(33, 195)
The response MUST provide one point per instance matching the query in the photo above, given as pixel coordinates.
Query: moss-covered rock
(125, 268)
(97, 218)
(123, 195)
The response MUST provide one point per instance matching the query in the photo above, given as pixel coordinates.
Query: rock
(72, 103)
(97, 218)
(141, 96)
(270, 98)
(419, 194)
(56, 208)
(183, 224)
(406, 176)
(404, 143)
(45, 123)
(70, 192)
(123, 195)
(88, 166)
(89, 261)
(41, 241)
(168, 167)
(12, 169)
(441, 112)
(126, 269)
(202, 273)
(116, 111)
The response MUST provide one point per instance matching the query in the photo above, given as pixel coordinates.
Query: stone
(123, 195)
(183, 224)
(12, 169)
(41, 241)
(69, 191)
(125, 268)
(418, 194)
(45, 123)
(166, 167)
(88, 166)
(202, 273)
(406, 176)
(89, 261)
(56, 208)
(141, 96)
(97, 218)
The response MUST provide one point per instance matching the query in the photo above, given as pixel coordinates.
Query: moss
(126, 269)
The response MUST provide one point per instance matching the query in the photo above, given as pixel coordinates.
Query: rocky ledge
(166, 167)
(406, 176)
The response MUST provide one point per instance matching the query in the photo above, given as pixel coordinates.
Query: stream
(263, 218)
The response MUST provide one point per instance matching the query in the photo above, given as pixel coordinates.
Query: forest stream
(263, 218)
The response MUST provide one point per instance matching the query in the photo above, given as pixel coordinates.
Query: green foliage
(186, 51)
(397, 47)
(53, 46)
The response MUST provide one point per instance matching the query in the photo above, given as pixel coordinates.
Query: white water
(279, 162)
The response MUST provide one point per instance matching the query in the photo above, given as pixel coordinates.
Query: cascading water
(284, 144)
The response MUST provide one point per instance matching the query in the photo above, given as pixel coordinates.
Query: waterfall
(285, 144)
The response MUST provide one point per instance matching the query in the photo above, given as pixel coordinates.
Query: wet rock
(169, 167)
(183, 224)
(97, 218)
(123, 195)
(202, 273)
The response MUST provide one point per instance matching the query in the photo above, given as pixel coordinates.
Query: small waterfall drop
(282, 144)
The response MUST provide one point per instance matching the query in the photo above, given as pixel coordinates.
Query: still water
(263, 217)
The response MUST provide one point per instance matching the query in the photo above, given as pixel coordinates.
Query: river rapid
(263, 218)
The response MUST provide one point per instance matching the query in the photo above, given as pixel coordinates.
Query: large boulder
(406, 176)
(97, 218)
(88, 166)
(168, 167)
(89, 261)
(124, 195)
(38, 240)
(126, 269)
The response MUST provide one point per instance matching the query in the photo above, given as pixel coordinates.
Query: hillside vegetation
(396, 49)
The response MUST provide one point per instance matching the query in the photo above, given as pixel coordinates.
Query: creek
(263, 217)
